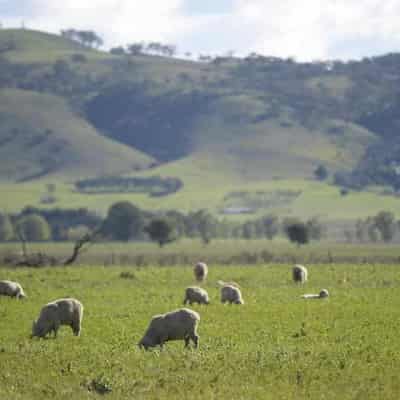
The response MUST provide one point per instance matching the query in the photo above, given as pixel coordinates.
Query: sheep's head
(323, 294)
(146, 342)
(21, 295)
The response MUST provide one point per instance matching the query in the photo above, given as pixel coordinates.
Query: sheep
(323, 294)
(231, 294)
(200, 271)
(12, 289)
(59, 312)
(299, 273)
(175, 325)
(194, 294)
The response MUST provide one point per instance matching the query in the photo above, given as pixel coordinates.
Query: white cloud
(308, 29)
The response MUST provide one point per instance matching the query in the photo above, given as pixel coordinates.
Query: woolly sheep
(200, 271)
(194, 294)
(300, 273)
(323, 294)
(59, 312)
(12, 289)
(231, 294)
(175, 325)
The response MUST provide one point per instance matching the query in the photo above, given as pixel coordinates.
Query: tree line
(124, 222)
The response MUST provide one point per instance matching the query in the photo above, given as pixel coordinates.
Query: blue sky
(306, 30)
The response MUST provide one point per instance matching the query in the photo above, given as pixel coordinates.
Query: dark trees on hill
(86, 38)
(321, 173)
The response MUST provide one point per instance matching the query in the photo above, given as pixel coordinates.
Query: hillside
(41, 136)
(221, 127)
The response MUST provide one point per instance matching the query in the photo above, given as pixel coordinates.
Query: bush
(321, 173)
(33, 228)
(6, 228)
(298, 232)
(124, 221)
(160, 231)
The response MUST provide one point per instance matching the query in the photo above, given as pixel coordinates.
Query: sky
(303, 29)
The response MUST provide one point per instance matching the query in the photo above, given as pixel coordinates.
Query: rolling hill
(255, 124)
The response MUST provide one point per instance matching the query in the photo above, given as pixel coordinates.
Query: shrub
(33, 228)
(124, 221)
(6, 228)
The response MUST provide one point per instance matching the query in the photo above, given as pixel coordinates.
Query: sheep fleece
(59, 312)
(175, 325)
(195, 294)
(13, 289)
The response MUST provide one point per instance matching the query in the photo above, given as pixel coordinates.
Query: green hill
(41, 136)
(255, 125)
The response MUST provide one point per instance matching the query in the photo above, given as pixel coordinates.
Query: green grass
(276, 346)
(202, 190)
(221, 251)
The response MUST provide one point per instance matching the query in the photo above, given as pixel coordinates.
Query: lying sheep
(323, 294)
(200, 271)
(59, 312)
(12, 289)
(176, 325)
(194, 294)
(300, 273)
(231, 294)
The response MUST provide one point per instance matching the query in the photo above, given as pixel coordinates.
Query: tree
(34, 228)
(136, 48)
(315, 228)
(124, 221)
(297, 232)
(321, 173)
(206, 226)
(6, 228)
(386, 225)
(161, 231)
(270, 226)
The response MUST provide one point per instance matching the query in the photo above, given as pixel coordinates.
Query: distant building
(237, 210)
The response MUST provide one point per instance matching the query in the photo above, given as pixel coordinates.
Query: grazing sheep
(323, 294)
(194, 294)
(12, 289)
(59, 312)
(231, 294)
(300, 273)
(175, 325)
(200, 271)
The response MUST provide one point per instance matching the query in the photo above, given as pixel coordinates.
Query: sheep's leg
(185, 301)
(187, 341)
(195, 339)
(76, 328)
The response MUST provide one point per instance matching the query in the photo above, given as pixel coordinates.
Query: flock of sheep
(180, 324)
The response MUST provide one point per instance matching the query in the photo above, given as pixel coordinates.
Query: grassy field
(276, 346)
(221, 251)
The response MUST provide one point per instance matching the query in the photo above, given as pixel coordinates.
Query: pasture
(276, 346)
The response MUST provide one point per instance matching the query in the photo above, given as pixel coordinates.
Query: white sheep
(194, 294)
(12, 289)
(175, 325)
(59, 312)
(299, 273)
(323, 294)
(231, 294)
(200, 271)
